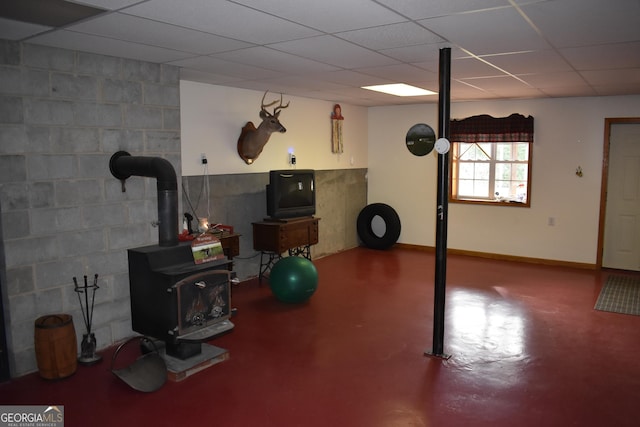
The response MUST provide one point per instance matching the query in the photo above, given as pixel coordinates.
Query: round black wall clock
(420, 139)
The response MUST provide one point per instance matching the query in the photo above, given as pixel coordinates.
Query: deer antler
(264, 106)
(276, 110)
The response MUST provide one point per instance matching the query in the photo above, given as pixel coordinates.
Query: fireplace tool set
(88, 354)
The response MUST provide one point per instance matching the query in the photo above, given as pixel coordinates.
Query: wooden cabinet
(230, 244)
(274, 237)
(279, 237)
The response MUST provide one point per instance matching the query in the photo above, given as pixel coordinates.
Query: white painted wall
(569, 132)
(213, 116)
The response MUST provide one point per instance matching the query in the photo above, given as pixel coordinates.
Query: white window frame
(493, 199)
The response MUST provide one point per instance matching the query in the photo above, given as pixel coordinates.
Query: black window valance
(484, 128)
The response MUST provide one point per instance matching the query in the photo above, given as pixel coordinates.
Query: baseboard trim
(502, 257)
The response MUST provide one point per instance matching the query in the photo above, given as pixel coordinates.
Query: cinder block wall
(62, 115)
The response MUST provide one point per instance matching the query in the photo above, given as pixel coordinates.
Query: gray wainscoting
(240, 199)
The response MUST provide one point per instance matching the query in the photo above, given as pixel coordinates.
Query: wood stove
(177, 301)
(172, 298)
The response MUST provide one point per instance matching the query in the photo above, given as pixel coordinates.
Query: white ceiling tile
(555, 80)
(471, 96)
(604, 77)
(430, 82)
(465, 90)
(16, 30)
(417, 54)
(472, 67)
(105, 46)
(262, 85)
(617, 89)
(569, 91)
(303, 82)
(313, 94)
(401, 73)
(518, 93)
(329, 15)
(523, 62)
(391, 36)
(503, 30)
(205, 77)
(427, 9)
(154, 33)
(253, 44)
(433, 63)
(225, 68)
(350, 78)
(572, 23)
(108, 4)
(497, 83)
(331, 50)
(222, 18)
(602, 57)
(272, 59)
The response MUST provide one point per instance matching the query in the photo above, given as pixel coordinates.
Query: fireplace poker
(86, 303)
(78, 290)
(93, 297)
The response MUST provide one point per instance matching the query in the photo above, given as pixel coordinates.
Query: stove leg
(183, 350)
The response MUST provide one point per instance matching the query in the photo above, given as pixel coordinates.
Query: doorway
(619, 229)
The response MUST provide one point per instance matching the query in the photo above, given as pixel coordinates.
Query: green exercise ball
(293, 279)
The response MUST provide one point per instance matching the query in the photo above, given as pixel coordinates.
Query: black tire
(392, 224)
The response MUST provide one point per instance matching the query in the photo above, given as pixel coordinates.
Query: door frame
(608, 122)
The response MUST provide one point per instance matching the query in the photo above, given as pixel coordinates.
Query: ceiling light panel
(400, 89)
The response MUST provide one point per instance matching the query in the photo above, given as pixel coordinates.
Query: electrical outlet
(292, 159)
(203, 159)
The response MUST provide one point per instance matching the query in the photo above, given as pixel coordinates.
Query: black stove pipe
(122, 165)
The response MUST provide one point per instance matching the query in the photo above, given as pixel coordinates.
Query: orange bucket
(56, 346)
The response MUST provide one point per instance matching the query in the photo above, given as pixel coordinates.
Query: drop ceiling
(328, 49)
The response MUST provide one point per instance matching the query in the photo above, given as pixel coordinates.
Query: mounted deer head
(252, 140)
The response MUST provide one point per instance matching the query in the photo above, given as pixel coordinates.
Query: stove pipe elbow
(123, 165)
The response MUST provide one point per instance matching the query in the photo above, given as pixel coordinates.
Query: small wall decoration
(420, 139)
(336, 126)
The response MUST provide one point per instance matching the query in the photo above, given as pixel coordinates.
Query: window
(491, 160)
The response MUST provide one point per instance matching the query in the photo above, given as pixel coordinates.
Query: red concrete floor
(527, 349)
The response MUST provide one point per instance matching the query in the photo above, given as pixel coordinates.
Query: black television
(291, 193)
